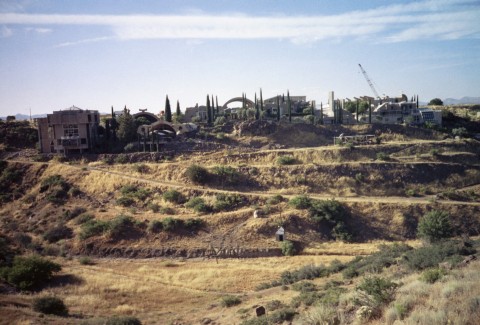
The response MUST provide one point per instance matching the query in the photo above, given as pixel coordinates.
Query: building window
(70, 130)
(83, 141)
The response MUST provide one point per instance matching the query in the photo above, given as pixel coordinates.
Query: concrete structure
(280, 234)
(73, 130)
(196, 113)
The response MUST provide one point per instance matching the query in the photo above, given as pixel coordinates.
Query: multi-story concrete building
(68, 131)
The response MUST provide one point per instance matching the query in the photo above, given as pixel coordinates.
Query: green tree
(209, 111)
(288, 248)
(351, 106)
(289, 107)
(168, 110)
(436, 101)
(179, 112)
(278, 108)
(261, 100)
(435, 226)
(127, 128)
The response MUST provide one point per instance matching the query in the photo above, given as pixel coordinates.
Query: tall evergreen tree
(216, 102)
(257, 111)
(369, 112)
(289, 107)
(261, 100)
(127, 129)
(168, 110)
(321, 113)
(209, 111)
(356, 109)
(213, 109)
(114, 126)
(179, 112)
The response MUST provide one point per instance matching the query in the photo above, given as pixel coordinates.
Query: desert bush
(125, 201)
(197, 174)
(229, 301)
(286, 160)
(193, 224)
(282, 315)
(304, 286)
(380, 289)
(333, 214)
(123, 320)
(431, 255)
(288, 248)
(320, 315)
(84, 218)
(141, 168)
(273, 305)
(29, 272)
(382, 156)
(433, 275)
(300, 202)
(276, 199)
(92, 228)
(173, 196)
(155, 226)
(155, 207)
(461, 132)
(85, 260)
(167, 210)
(306, 298)
(54, 181)
(57, 233)
(227, 175)
(171, 224)
(225, 202)
(50, 305)
(121, 159)
(69, 215)
(198, 205)
(435, 226)
(120, 226)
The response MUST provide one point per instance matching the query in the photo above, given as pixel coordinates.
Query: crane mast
(369, 81)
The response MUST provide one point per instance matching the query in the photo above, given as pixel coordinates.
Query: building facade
(73, 130)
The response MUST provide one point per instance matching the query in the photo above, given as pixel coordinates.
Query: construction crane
(369, 81)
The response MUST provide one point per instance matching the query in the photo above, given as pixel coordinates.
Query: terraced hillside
(108, 208)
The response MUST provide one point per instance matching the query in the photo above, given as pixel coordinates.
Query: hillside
(145, 205)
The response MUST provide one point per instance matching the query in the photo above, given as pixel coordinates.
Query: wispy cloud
(433, 20)
(89, 40)
(38, 30)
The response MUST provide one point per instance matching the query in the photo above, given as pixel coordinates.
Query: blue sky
(95, 54)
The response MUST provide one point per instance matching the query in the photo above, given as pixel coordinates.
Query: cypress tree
(356, 109)
(168, 110)
(417, 101)
(216, 101)
(257, 112)
(289, 107)
(209, 112)
(178, 109)
(321, 113)
(261, 100)
(114, 126)
(213, 110)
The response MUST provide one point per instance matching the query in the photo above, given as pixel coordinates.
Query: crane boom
(369, 81)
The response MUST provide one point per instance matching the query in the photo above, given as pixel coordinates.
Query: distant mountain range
(21, 117)
(461, 101)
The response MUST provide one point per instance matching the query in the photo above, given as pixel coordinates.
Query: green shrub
(93, 228)
(167, 210)
(123, 320)
(141, 168)
(435, 226)
(74, 213)
(84, 218)
(50, 305)
(430, 256)
(171, 224)
(154, 207)
(57, 233)
(300, 202)
(198, 205)
(225, 202)
(380, 289)
(282, 315)
(382, 156)
(120, 226)
(229, 301)
(433, 275)
(197, 174)
(53, 182)
(125, 201)
(85, 260)
(286, 160)
(121, 159)
(227, 175)
(288, 248)
(173, 196)
(304, 286)
(29, 272)
(155, 226)
(276, 199)
(193, 224)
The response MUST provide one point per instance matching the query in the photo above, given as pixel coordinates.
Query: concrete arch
(249, 103)
(152, 118)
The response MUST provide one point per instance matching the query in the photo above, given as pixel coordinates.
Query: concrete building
(196, 113)
(72, 130)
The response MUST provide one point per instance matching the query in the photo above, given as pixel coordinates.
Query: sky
(96, 54)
